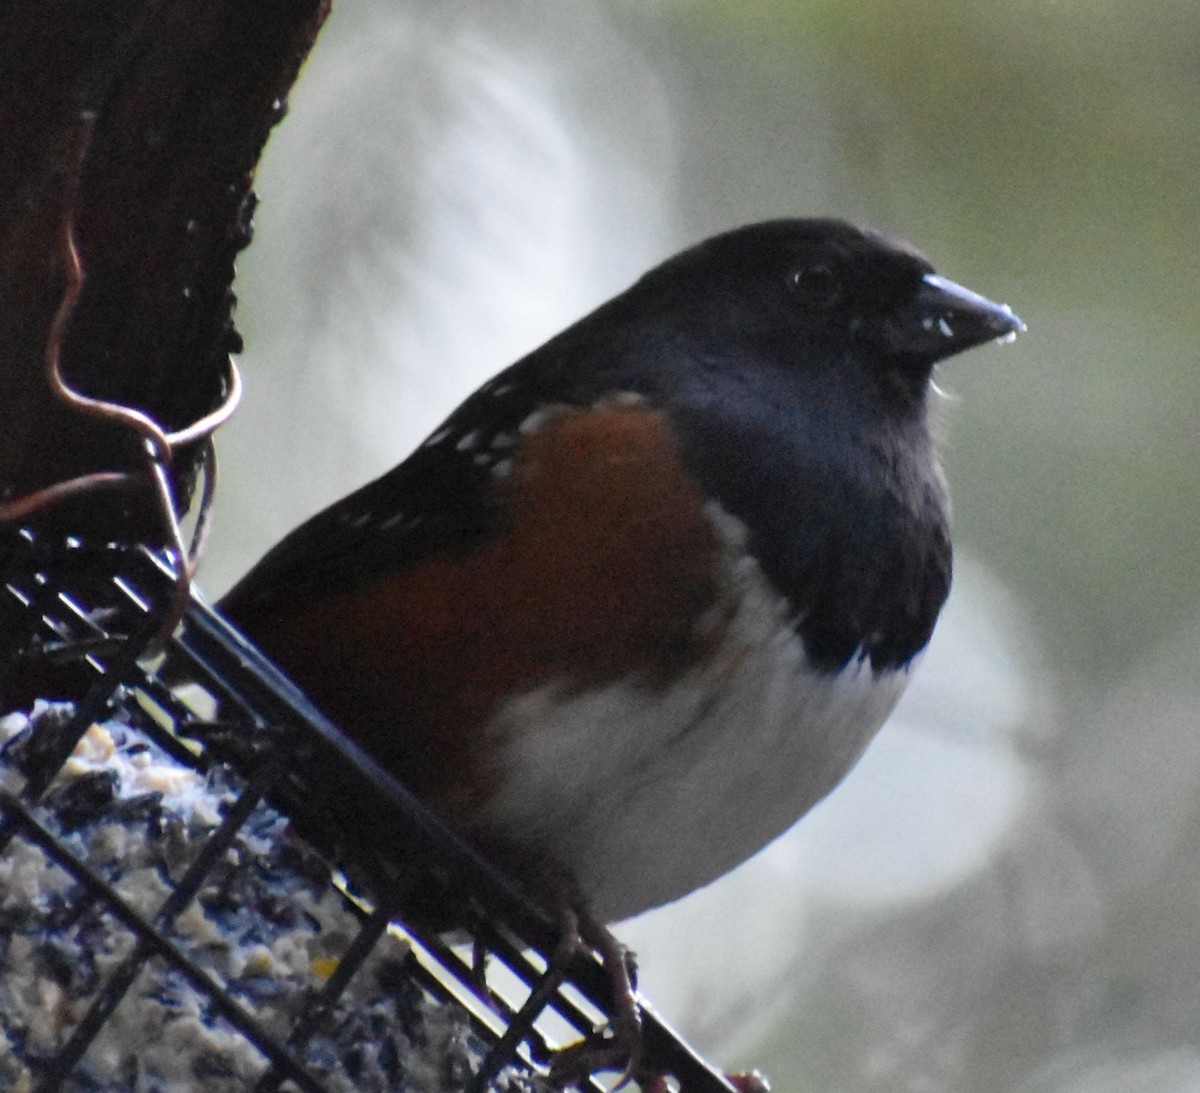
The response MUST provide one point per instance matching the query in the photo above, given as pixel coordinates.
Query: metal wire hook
(159, 446)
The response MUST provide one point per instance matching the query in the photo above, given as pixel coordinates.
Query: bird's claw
(618, 1047)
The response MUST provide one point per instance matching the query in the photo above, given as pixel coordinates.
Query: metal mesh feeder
(194, 892)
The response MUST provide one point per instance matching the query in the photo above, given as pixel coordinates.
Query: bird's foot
(619, 1046)
(604, 1050)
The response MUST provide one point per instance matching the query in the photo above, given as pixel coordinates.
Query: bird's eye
(815, 286)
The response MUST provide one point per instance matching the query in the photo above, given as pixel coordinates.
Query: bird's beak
(944, 318)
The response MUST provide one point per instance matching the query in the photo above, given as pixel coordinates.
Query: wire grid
(72, 605)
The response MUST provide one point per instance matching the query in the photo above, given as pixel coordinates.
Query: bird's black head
(794, 359)
(812, 294)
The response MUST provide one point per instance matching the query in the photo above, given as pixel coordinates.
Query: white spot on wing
(533, 422)
(399, 519)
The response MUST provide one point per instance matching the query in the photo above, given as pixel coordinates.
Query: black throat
(847, 515)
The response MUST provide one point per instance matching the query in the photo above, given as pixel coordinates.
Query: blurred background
(1005, 894)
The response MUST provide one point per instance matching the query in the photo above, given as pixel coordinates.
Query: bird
(644, 597)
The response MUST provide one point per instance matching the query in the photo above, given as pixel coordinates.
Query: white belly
(644, 793)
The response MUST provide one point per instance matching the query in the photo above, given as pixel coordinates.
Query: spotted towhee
(645, 597)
